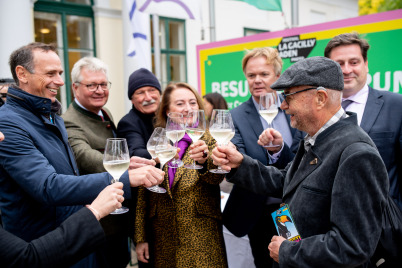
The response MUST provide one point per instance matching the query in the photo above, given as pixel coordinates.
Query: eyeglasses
(94, 86)
(285, 96)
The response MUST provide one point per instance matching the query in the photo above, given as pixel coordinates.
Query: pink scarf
(183, 145)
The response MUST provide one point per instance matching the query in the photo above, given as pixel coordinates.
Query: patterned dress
(184, 226)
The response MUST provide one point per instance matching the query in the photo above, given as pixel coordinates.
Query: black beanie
(142, 78)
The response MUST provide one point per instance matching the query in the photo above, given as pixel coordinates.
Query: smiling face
(92, 100)
(46, 80)
(146, 99)
(300, 107)
(260, 76)
(353, 66)
(182, 100)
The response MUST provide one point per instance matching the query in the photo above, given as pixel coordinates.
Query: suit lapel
(301, 168)
(372, 109)
(253, 118)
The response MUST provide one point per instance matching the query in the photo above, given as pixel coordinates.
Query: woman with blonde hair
(185, 223)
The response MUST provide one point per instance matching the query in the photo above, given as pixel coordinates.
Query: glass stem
(176, 144)
(219, 167)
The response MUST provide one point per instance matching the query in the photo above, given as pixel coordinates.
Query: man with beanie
(144, 91)
(336, 186)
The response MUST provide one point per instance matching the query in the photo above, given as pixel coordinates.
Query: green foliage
(376, 6)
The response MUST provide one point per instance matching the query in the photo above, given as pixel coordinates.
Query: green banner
(221, 68)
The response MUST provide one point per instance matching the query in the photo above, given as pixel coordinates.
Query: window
(249, 31)
(173, 50)
(69, 24)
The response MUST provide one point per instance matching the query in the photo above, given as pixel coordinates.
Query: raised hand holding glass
(268, 109)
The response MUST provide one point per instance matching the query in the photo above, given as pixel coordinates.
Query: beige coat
(185, 224)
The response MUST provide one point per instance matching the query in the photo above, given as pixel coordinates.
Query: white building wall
(16, 30)
(231, 17)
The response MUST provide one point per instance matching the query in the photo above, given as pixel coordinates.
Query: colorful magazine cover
(284, 224)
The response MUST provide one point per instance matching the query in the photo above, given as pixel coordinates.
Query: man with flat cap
(337, 184)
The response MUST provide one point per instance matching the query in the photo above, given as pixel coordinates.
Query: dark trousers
(260, 237)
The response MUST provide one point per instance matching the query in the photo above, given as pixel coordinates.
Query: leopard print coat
(184, 226)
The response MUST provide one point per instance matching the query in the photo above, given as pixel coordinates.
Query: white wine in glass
(222, 130)
(165, 150)
(151, 147)
(195, 128)
(268, 109)
(175, 132)
(116, 161)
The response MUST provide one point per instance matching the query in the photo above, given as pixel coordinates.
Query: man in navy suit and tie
(378, 112)
(247, 212)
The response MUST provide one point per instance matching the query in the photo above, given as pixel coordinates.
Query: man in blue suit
(378, 112)
(247, 212)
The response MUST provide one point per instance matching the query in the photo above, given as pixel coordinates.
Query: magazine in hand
(284, 224)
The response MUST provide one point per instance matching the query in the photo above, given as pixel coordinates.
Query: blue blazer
(382, 120)
(244, 208)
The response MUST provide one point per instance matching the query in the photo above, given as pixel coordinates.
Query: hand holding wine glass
(195, 128)
(116, 160)
(158, 134)
(268, 109)
(222, 129)
(175, 132)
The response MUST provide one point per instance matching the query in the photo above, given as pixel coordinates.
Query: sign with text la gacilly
(219, 63)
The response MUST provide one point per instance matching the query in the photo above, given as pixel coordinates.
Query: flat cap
(314, 71)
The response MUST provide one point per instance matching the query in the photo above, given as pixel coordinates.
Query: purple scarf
(183, 145)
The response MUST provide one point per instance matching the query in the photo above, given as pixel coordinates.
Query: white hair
(91, 64)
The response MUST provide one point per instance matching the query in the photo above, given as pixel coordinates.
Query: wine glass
(175, 132)
(268, 109)
(116, 161)
(222, 130)
(195, 128)
(153, 141)
(165, 150)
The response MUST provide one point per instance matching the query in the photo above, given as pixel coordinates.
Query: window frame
(256, 31)
(167, 52)
(64, 9)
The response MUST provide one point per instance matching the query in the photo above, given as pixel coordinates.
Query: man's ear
(22, 74)
(74, 87)
(321, 98)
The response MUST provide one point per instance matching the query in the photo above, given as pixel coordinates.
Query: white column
(129, 65)
(16, 30)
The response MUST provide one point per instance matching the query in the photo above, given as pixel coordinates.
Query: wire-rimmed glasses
(94, 86)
